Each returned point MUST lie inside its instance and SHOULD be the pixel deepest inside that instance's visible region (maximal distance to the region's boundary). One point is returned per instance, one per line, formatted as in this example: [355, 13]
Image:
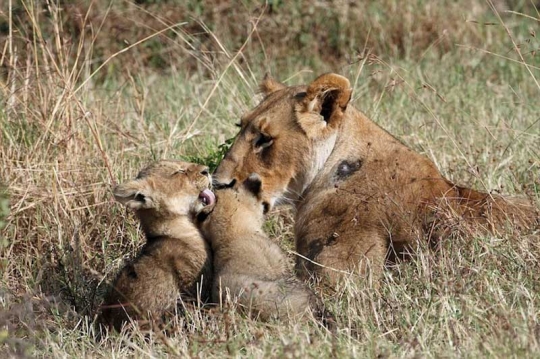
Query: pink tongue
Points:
[208, 197]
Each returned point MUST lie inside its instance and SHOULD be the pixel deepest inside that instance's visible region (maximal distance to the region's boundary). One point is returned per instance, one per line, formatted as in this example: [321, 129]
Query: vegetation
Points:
[91, 92]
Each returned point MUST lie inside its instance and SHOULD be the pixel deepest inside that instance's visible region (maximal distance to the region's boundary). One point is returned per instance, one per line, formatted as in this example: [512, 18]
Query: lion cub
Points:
[247, 264]
[176, 261]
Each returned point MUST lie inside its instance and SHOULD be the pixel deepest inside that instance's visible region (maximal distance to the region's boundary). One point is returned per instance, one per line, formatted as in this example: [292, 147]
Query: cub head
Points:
[288, 137]
[167, 188]
[239, 208]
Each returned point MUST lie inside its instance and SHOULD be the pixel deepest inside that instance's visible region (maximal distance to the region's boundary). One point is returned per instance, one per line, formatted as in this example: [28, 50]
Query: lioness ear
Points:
[328, 95]
[269, 85]
[134, 194]
[253, 184]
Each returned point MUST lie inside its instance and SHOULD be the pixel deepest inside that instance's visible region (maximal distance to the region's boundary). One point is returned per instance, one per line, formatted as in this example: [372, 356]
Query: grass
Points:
[68, 134]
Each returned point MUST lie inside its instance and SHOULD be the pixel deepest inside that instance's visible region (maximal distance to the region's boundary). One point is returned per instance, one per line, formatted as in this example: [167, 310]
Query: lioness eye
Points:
[264, 141]
[179, 172]
[238, 124]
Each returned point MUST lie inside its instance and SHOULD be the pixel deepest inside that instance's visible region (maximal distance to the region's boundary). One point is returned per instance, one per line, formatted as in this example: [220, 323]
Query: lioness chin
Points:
[175, 264]
[359, 193]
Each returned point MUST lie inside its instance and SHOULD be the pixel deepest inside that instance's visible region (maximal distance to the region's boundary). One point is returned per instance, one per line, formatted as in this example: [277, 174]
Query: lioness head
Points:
[237, 209]
[167, 188]
[288, 137]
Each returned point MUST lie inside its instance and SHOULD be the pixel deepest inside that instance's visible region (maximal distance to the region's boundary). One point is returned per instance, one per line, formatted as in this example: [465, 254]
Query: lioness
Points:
[176, 262]
[248, 266]
[358, 191]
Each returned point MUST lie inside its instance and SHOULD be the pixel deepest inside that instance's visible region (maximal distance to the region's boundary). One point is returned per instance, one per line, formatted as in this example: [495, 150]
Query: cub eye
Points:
[264, 141]
[238, 125]
[180, 171]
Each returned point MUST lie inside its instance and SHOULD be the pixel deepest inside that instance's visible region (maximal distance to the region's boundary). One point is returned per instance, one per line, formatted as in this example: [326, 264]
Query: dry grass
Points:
[322, 33]
[67, 133]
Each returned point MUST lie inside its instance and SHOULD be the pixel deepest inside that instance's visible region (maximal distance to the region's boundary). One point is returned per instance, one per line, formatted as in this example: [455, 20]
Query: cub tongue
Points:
[208, 197]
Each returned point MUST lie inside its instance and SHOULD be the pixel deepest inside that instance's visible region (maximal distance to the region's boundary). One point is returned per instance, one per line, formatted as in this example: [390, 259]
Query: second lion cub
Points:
[247, 264]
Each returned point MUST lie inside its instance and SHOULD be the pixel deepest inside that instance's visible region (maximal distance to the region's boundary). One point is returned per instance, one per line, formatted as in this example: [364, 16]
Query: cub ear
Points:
[269, 85]
[134, 194]
[253, 184]
[203, 214]
[328, 95]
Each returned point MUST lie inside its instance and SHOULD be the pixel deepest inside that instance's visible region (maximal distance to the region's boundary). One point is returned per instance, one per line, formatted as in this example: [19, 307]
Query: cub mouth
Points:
[207, 197]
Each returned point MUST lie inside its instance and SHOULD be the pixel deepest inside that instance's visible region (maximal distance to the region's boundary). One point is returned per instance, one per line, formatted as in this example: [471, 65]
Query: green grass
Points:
[473, 112]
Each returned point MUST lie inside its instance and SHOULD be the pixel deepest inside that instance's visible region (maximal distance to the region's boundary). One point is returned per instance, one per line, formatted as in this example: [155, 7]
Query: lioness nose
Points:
[224, 184]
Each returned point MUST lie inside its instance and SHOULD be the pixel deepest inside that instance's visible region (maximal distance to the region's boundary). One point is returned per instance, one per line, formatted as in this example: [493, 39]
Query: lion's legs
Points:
[360, 256]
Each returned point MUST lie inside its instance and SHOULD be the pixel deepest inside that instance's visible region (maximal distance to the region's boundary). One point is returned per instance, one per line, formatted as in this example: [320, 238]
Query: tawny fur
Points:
[175, 263]
[358, 191]
[248, 266]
